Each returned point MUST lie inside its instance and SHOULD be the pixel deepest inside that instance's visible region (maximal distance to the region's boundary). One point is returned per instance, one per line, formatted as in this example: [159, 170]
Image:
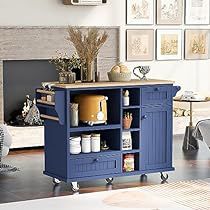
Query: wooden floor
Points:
[30, 183]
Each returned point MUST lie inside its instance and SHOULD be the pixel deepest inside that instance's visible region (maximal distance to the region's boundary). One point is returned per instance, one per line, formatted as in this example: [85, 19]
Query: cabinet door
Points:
[156, 138]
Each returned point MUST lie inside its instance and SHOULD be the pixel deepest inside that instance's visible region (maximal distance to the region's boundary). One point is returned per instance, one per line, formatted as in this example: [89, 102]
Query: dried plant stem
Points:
[87, 45]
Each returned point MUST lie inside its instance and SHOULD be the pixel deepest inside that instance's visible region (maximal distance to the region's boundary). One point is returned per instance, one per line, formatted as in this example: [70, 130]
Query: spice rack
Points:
[151, 131]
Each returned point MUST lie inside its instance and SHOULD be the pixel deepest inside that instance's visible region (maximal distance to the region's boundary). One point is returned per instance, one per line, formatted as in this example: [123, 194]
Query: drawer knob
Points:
[157, 89]
[144, 117]
[96, 160]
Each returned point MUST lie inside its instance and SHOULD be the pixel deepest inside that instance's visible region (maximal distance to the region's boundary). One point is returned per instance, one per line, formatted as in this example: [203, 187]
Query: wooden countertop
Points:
[114, 84]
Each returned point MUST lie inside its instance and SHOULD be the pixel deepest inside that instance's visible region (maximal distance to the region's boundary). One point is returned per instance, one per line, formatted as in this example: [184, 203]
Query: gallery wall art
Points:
[140, 45]
[140, 12]
[169, 12]
[197, 12]
[169, 44]
[196, 44]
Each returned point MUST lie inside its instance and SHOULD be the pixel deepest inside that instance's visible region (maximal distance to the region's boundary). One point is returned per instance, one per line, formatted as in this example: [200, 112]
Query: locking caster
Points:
[164, 178]
[109, 180]
[56, 181]
[74, 186]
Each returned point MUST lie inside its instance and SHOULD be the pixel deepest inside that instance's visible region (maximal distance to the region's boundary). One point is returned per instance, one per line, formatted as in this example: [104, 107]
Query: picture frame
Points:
[197, 12]
[140, 12]
[139, 44]
[169, 44]
[169, 12]
[197, 44]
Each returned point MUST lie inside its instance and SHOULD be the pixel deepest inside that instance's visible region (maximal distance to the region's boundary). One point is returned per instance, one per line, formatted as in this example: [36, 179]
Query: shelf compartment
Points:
[111, 136]
[136, 161]
[87, 128]
[113, 102]
[136, 115]
[45, 102]
[86, 155]
[134, 95]
[131, 107]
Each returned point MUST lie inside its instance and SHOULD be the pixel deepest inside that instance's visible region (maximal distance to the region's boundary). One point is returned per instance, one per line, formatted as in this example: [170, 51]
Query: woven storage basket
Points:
[119, 77]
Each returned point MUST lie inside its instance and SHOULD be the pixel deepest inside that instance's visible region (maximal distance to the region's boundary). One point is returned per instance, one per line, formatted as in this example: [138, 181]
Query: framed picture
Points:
[140, 45]
[169, 12]
[196, 44]
[169, 45]
[140, 12]
[197, 12]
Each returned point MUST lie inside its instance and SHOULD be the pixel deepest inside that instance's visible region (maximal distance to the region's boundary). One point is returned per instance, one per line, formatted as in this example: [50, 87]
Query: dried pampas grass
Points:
[87, 45]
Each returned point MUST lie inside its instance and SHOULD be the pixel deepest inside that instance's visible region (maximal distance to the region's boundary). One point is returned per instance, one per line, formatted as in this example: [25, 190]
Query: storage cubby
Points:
[136, 162]
[113, 103]
[134, 96]
[112, 137]
[136, 116]
[126, 135]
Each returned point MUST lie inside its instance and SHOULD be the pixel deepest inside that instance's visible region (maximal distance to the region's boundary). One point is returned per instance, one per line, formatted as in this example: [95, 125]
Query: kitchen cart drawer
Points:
[156, 95]
[95, 165]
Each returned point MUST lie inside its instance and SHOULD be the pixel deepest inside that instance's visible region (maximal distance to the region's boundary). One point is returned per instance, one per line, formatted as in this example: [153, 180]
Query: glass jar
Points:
[95, 142]
[86, 143]
[74, 115]
[63, 77]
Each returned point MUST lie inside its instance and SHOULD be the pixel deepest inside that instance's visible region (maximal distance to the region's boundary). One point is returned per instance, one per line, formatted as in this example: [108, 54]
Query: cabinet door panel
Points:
[156, 137]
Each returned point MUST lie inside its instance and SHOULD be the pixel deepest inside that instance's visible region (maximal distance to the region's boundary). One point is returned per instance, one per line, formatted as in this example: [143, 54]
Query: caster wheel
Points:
[74, 186]
[56, 181]
[163, 178]
[143, 177]
[109, 180]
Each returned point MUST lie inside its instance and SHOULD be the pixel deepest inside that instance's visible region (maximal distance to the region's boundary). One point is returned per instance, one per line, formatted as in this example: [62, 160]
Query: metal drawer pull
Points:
[96, 160]
[144, 117]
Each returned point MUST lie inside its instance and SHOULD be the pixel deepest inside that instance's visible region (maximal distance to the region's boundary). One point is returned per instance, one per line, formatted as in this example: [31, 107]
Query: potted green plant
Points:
[67, 67]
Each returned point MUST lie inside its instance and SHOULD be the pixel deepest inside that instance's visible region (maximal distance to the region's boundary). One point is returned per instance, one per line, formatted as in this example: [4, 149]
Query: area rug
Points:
[183, 195]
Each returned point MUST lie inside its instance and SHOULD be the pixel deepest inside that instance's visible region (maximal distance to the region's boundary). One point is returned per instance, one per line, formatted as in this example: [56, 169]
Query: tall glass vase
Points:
[87, 72]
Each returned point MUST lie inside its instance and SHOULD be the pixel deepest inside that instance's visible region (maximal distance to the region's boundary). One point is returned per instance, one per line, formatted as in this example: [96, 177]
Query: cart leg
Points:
[75, 186]
[109, 180]
[164, 177]
[56, 181]
[143, 177]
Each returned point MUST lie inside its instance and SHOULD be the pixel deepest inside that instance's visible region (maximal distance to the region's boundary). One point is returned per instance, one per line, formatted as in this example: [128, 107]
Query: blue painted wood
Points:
[95, 165]
[151, 134]
[157, 94]
[156, 137]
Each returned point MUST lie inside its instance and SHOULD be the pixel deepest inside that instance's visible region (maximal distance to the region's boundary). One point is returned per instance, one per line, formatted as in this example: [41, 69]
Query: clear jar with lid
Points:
[95, 142]
[86, 143]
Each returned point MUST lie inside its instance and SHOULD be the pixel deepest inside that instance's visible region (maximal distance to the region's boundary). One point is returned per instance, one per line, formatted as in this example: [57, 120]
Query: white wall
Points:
[191, 75]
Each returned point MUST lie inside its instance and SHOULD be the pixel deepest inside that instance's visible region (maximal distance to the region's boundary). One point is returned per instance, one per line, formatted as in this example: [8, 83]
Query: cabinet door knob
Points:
[96, 160]
[157, 89]
[144, 117]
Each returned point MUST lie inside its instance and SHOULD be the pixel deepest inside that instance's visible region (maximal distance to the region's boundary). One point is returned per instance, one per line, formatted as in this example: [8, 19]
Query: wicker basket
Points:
[119, 77]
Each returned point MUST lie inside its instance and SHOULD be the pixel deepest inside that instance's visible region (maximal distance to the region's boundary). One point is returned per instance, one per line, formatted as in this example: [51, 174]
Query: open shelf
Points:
[134, 96]
[86, 155]
[135, 125]
[131, 107]
[113, 102]
[111, 136]
[136, 161]
[45, 102]
[85, 127]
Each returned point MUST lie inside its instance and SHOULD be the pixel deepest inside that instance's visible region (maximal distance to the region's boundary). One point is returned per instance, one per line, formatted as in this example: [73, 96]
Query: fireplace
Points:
[24, 52]
[20, 79]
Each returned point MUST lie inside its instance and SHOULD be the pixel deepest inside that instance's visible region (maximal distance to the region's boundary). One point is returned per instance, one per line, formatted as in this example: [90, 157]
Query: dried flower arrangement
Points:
[87, 46]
